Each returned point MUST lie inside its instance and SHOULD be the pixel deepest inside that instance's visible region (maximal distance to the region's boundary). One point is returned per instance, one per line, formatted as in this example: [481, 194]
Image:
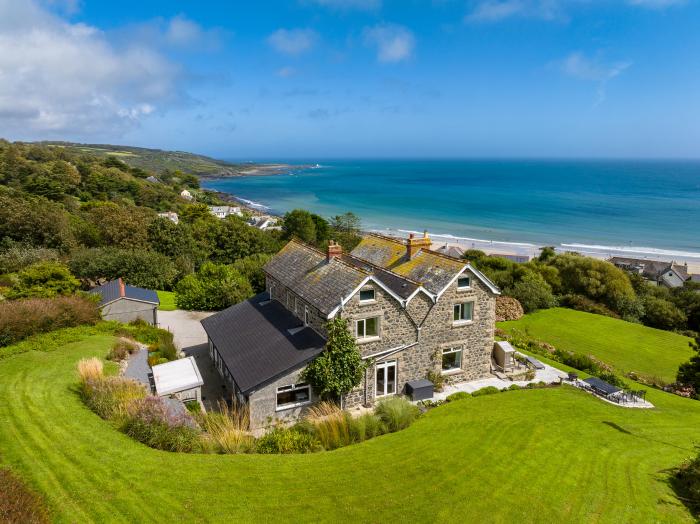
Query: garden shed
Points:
[125, 303]
[180, 379]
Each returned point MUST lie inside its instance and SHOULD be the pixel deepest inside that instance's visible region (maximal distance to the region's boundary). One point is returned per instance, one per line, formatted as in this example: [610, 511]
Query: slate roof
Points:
[652, 269]
[254, 341]
[305, 270]
[112, 291]
[401, 286]
[433, 270]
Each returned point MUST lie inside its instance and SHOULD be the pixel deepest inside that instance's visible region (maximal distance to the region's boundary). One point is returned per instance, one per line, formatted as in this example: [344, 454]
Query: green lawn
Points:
[167, 301]
[550, 455]
[627, 346]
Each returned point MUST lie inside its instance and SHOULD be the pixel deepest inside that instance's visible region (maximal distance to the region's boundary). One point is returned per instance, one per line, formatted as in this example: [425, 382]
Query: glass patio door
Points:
[385, 383]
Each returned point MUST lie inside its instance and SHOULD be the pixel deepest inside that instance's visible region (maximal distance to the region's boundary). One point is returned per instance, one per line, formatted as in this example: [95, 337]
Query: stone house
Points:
[668, 274]
[412, 311]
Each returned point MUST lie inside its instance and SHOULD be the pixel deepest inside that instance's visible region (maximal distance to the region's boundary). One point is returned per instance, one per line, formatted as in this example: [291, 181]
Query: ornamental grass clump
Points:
[110, 397]
[152, 422]
[287, 440]
[227, 430]
[329, 424]
[90, 369]
[397, 413]
[365, 427]
[18, 503]
[121, 350]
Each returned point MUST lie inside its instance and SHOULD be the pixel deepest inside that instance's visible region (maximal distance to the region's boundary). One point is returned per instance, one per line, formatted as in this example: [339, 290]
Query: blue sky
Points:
[357, 78]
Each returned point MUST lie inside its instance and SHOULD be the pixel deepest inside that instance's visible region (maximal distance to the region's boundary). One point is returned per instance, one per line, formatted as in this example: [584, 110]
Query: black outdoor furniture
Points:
[534, 362]
[601, 387]
[421, 389]
[573, 377]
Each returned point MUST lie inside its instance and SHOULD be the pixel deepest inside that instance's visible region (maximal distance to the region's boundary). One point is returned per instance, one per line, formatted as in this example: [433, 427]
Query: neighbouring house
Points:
[224, 211]
[661, 273]
[451, 251]
[264, 222]
[153, 180]
[412, 311]
[186, 194]
[178, 379]
[125, 303]
[170, 215]
[518, 259]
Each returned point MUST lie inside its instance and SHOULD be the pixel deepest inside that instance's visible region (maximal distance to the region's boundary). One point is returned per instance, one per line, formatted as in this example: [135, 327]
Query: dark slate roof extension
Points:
[254, 341]
[116, 289]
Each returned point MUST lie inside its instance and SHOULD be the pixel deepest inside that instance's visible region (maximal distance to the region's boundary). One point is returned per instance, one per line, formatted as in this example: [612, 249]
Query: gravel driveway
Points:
[185, 326]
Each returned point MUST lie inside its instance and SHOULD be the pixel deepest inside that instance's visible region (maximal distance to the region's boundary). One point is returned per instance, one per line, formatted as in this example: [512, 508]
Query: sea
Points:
[626, 207]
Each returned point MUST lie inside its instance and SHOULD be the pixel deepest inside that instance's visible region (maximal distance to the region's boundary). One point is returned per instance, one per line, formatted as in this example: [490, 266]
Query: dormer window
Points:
[366, 295]
[464, 282]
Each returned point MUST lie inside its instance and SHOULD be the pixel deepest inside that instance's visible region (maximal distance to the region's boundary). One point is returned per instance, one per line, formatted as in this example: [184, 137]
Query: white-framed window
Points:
[463, 312]
[307, 316]
[296, 306]
[385, 379]
[272, 287]
[366, 295]
[367, 328]
[289, 300]
[451, 359]
[293, 396]
[464, 282]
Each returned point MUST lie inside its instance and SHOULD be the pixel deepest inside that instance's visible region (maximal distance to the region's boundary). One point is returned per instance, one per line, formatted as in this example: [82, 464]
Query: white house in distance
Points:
[224, 211]
[170, 215]
[186, 194]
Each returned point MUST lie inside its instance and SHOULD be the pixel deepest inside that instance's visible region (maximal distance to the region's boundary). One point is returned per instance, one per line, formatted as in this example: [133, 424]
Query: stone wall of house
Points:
[291, 300]
[262, 404]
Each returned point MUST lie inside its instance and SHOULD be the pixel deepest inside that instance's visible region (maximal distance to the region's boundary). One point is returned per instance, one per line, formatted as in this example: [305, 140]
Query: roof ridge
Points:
[387, 270]
[448, 257]
[396, 240]
[316, 250]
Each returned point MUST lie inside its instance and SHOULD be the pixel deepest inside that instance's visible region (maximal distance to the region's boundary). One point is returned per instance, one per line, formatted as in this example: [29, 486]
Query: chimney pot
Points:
[334, 250]
[122, 288]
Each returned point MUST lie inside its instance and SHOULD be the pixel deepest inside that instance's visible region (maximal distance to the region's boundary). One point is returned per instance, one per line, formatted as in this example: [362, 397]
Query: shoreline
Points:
[496, 247]
[254, 169]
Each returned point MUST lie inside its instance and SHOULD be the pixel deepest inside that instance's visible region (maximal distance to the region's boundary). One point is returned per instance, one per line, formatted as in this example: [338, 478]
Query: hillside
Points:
[157, 160]
[624, 345]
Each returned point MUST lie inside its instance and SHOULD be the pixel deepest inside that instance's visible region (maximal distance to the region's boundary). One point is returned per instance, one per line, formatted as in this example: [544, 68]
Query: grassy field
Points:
[548, 455]
[167, 301]
[627, 346]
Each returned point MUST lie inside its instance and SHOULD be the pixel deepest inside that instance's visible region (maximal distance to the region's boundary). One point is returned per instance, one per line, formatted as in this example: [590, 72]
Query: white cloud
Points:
[293, 41]
[286, 71]
[496, 10]
[577, 65]
[656, 4]
[60, 78]
[364, 5]
[394, 43]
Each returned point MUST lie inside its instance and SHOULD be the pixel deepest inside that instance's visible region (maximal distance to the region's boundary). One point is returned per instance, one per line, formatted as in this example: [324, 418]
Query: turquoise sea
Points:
[650, 207]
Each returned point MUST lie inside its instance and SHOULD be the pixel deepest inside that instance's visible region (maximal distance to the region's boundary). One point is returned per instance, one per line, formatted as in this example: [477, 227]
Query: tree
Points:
[121, 226]
[299, 223]
[533, 293]
[346, 230]
[340, 367]
[689, 372]
[235, 239]
[662, 314]
[251, 268]
[214, 286]
[547, 253]
[137, 267]
[34, 221]
[46, 279]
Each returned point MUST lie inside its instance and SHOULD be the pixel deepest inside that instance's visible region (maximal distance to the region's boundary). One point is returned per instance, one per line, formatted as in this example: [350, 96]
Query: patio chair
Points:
[573, 377]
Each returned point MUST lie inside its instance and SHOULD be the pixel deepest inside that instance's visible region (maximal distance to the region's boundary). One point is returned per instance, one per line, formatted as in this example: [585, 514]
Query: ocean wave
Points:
[633, 250]
[251, 203]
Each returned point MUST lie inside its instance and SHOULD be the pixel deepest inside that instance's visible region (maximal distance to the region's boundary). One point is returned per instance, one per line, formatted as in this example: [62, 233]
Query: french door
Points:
[385, 379]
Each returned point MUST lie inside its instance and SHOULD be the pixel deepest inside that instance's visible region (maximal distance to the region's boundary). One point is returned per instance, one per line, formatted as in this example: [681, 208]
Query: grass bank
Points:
[547, 455]
[167, 301]
[627, 346]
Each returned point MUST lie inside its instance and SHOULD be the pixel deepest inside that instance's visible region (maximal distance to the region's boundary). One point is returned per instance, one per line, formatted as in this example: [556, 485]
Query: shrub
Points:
[214, 286]
[533, 292]
[366, 426]
[437, 378]
[121, 350]
[18, 503]
[90, 369]
[508, 308]
[164, 348]
[460, 395]
[20, 319]
[329, 424]
[111, 397]
[141, 330]
[17, 257]
[44, 280]
[227, 430]
[662, 314]
[281, 440]
[150, 421]
[686, 483]
[514, 387]
[581, 303]
[396, 412]
[488, 390]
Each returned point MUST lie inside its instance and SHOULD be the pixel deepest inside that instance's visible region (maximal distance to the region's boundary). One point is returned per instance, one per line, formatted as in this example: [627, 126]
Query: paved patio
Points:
[185, 326]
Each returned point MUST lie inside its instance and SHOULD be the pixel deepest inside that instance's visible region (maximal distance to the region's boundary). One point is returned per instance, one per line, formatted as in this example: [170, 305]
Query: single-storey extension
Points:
[124, 303]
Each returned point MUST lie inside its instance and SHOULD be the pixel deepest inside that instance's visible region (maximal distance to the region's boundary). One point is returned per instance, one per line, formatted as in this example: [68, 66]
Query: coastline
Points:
[254, 169]
[530, 249]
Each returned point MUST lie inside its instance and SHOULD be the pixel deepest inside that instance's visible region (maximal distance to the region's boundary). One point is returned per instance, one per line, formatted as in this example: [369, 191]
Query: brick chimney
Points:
[415, 244]
[334, 250]
[122, 288]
